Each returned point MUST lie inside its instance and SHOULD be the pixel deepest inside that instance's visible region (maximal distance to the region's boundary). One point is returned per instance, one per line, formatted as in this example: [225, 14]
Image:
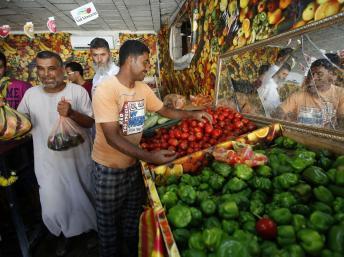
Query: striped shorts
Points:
[119, 195]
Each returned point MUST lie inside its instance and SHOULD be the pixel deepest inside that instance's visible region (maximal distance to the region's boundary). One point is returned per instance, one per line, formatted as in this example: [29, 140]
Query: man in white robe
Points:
[64, 177]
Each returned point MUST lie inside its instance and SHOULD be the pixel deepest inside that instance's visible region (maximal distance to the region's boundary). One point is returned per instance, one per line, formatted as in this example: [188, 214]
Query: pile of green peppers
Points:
[214, 212]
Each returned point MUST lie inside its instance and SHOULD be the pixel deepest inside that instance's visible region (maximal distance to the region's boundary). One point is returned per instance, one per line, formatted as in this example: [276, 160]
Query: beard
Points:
[101, 68]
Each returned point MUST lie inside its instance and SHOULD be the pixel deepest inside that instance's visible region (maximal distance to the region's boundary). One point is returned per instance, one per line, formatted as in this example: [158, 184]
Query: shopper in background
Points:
[120, 103]
[64, 177]
[12, 90]
[320, 103]
[75, 74]
[102, 61]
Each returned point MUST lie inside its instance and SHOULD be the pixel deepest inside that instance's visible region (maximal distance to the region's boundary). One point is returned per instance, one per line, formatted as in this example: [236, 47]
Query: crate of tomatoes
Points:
[189, 135]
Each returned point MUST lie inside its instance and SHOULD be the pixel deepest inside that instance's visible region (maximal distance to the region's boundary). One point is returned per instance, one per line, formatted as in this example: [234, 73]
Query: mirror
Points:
[182, 40]
[299, 79]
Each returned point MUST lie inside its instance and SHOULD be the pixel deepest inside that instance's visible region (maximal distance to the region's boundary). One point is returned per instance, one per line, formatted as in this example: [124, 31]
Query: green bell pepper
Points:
[339, 162]
[339, 217]
[324, 162]
[233, 248]
[264, 171]
[302, 160]
[212, 237]
[284, 199]
[228, 210]
[245, 217]
[196, 215]
[169, 199]
[302, 191]
[269, 248]
[338, 205]
[285, 235]
[202, 195]
[315, 175]
[194, 253]
[295, 251]
[249, 226]
[181, 236]
[287, 180]
[172, 180]
[289, 143]
[300, 209]
[323, 194]
[161, 190]
[328, 253]
[179, 216]
[321, 221]
[260, 196]
[188, 179]
[187, 194]
[336, 238]
[299, 222]
[331, 174]
[336, 190]
[310, 240]
[203, 187]
[234, 185]
[339, 176]
[281, 216]
[221, 168]
[172, 188]
[208, 207]
[319, 206]
[212, 222]
[243, 171]
[261, 183]
[249, 240]
[216, 181]
[256, 207]
[206, 173]
[196, 241]
[229, 226]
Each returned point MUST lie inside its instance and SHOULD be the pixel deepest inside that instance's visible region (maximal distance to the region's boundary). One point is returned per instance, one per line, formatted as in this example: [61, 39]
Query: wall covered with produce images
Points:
[20, 52]
[223, 25]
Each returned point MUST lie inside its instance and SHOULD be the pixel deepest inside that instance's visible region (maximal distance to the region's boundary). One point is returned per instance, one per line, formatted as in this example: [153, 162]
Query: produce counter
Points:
[236, 203]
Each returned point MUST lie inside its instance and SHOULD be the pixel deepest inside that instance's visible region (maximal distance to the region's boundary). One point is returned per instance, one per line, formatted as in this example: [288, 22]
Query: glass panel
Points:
[299, 80]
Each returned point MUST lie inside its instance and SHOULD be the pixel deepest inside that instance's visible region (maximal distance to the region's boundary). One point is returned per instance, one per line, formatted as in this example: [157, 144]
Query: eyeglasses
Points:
[70, 73]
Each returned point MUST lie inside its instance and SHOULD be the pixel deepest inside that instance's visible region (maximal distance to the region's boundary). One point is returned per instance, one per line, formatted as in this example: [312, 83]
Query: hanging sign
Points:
[29, 29]
[84, 14]
[51, 24]
[5, 31]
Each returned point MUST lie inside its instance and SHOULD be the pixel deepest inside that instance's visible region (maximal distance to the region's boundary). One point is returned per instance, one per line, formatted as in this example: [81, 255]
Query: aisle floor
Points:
[46, 247]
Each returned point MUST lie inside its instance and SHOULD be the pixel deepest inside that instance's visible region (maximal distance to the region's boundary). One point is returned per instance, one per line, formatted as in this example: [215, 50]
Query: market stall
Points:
[276, 191]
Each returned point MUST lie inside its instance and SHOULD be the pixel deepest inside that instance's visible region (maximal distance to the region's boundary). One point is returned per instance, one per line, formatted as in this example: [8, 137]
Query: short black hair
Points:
[262, 69]
[323, 63]
[48, 55]
[286, 66]
[3, 58]
[75, 66]
[334, 58]
[284, 51]
[131, 48]
[99, 43]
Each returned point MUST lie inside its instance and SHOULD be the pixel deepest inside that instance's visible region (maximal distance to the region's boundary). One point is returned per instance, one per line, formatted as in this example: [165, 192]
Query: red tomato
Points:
[245, 121]
[183, 145]
[165, 136]
[199, 135]
[144, 145]
[177, 133]
[185, 129]
[222, 124]
[221, 117]
[238, 124]
[200, 124]
[197, 129]
[216, 133]
[238, 115]
[193, 123]
[208, 128]
[184, 135]
[230, 116]
[266, 228]
[191, 138]
[212, 141]
[172, 148]
[171, 133]
[164, 145]
[173, 142]
[189, 150]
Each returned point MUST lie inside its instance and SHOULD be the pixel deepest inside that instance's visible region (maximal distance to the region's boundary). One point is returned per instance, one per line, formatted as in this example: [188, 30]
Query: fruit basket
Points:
[278, 208]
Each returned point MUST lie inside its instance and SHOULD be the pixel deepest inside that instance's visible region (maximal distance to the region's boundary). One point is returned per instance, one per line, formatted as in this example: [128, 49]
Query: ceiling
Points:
[114, 15]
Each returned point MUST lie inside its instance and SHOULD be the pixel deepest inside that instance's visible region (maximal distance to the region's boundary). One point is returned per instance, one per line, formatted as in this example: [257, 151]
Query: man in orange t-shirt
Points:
[320, 103]
[120, 103]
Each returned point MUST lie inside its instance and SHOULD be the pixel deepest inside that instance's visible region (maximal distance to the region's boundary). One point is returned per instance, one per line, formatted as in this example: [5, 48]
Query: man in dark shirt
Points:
[75, 75]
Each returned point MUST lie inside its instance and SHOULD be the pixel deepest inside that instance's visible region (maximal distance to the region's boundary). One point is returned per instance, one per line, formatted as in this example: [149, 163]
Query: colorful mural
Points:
[229, 24]
[20, 52]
